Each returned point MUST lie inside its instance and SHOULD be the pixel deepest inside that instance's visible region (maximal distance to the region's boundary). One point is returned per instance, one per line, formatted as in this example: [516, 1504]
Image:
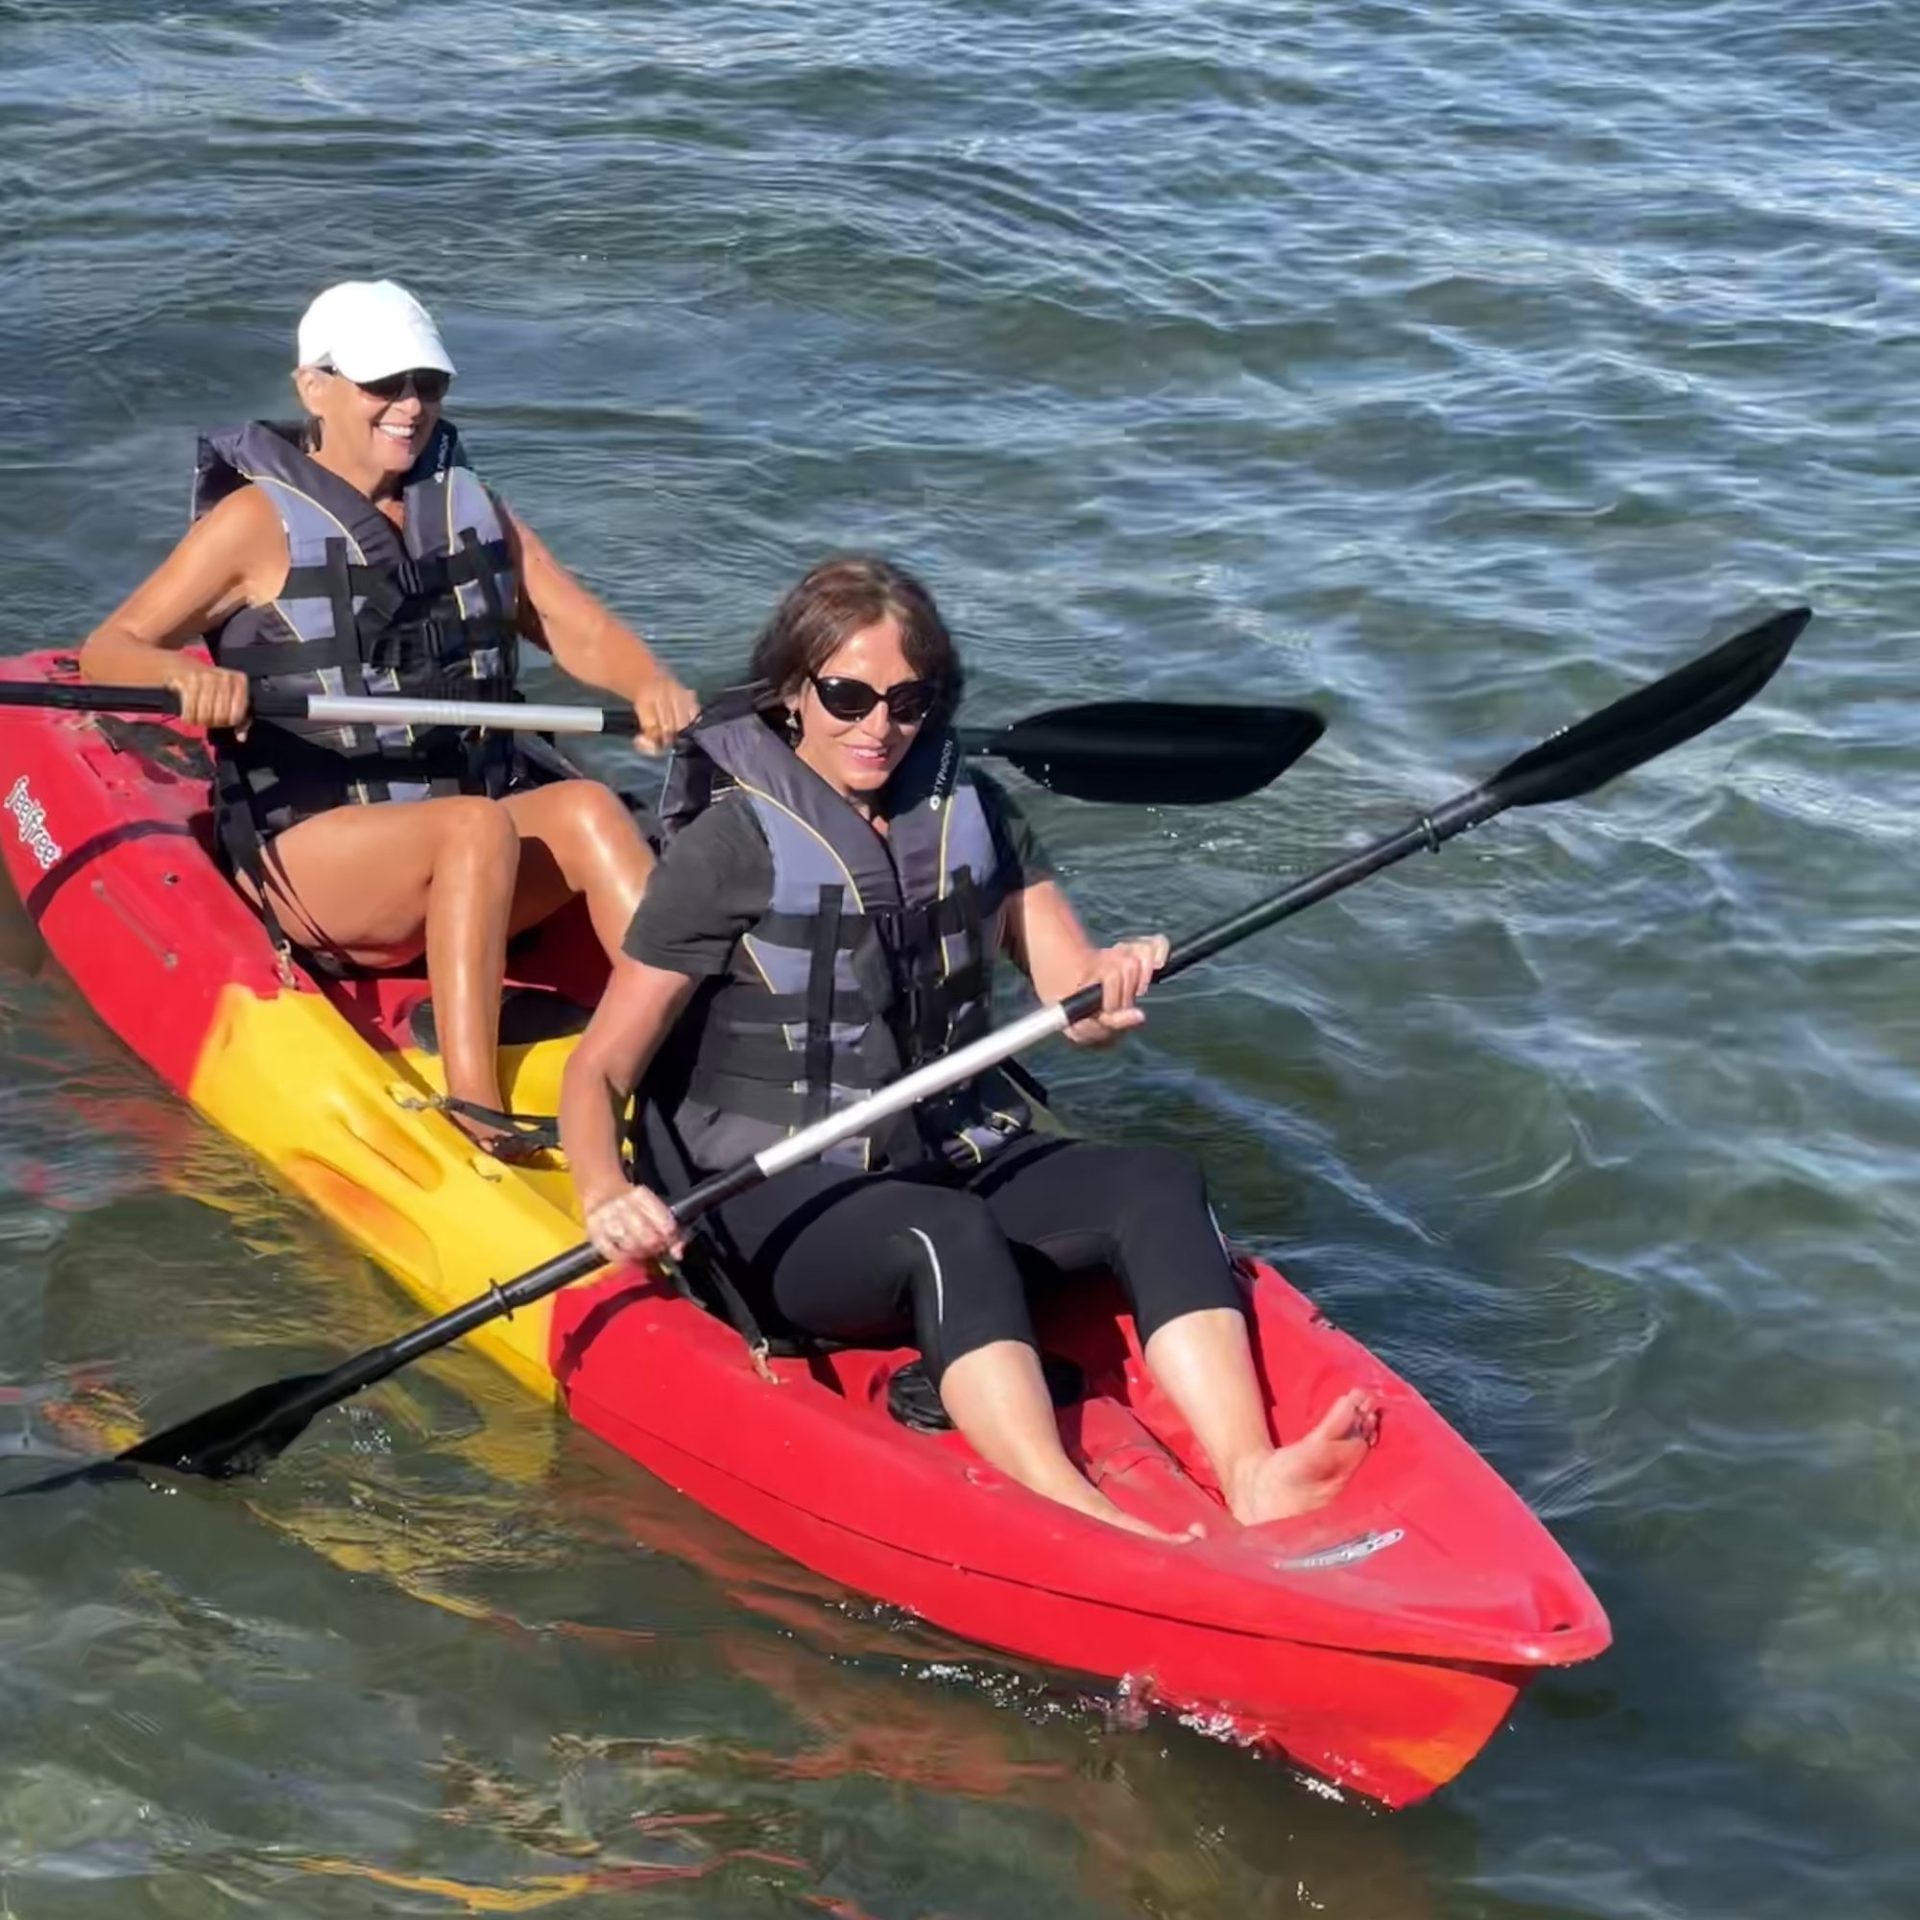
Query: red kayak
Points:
[1379, 1642]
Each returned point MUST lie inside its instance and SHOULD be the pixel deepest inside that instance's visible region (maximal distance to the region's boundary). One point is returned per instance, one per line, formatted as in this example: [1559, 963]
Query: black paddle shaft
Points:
[1632, 730]
[241, 1435]
[1430, 831]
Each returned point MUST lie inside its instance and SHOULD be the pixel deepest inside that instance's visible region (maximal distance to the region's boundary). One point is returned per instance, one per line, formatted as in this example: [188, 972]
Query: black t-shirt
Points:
[716, 878]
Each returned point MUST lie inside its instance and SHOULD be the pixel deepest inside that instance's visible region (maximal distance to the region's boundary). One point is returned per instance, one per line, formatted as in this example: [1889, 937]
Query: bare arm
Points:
[635, 1014]
[593, 643]
[233, 558]
[1045, 936]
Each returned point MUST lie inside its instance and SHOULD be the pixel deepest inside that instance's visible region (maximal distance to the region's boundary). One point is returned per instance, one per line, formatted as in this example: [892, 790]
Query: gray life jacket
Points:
[873, 955]
[366, 609]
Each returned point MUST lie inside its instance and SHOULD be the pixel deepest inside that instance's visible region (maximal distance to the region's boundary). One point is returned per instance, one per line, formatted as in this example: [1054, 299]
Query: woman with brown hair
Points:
[826, 916]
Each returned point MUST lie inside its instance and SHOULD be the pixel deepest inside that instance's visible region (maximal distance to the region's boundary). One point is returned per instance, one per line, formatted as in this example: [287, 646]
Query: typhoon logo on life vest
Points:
[31, 818]
[943, 778]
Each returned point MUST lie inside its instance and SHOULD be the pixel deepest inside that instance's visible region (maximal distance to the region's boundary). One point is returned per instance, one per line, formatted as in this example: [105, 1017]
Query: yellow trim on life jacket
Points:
[766, 979]
[860, 905]
[946, 827]
[287, 486]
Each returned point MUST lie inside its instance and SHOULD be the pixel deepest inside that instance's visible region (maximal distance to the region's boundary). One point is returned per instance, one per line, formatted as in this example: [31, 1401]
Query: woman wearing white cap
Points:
[358, 553]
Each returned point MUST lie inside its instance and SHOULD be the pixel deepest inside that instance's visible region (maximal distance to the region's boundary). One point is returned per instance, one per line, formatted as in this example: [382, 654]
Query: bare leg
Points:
[997, 1396]
[381, 884]
[469, 905]
[456, 877]
[1205, 1363]
[577, 837]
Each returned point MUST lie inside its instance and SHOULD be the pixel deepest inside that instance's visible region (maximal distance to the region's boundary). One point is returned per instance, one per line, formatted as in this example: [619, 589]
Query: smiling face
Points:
[368, 438]
[857, 756]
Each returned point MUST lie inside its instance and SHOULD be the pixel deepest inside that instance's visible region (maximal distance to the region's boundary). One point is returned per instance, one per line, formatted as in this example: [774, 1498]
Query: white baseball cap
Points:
[368, 329]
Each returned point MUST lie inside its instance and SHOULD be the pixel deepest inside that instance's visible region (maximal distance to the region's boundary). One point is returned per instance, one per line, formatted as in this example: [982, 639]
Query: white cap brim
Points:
[369, 329]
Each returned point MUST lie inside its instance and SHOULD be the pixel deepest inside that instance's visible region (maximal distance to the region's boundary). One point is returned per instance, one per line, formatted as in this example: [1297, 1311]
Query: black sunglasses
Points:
[428, 382]
[907, 701]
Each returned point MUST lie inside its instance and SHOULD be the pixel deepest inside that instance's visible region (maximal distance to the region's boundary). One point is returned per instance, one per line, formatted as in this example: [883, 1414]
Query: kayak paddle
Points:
[243, 1434]
[1145, 752]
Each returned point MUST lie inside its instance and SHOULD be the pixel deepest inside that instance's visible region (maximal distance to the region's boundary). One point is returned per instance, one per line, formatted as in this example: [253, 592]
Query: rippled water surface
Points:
[1449, 365]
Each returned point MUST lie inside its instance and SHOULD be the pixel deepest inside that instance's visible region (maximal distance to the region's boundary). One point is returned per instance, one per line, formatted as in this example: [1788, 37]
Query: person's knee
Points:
[964, 1289]
[596, 817]
[957, 1226]
[472, 827]
[961, 1273]
[953, 1243]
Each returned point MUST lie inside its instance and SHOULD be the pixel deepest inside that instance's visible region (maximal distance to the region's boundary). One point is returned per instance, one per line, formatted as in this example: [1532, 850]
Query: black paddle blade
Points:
[1154, 753]
[1637, 727]
[93, 1473]
[237, 1437]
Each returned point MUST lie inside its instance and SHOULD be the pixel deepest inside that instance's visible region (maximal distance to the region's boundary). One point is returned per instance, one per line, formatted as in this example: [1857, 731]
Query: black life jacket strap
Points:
[392, 599]
[705, 1264]
[802, 929]
[497, 625]
[264, 659]
[928, 996]
[779, 1105]
[471, 563]
[477, 561]
[320, 582]
[895, 1142]
[413, 577]
[952, 914]
[339, 590]
[965, 985]
[752, 1011]
[246, 853]
[819, 1041]
[705, 1271]
[371, 778]
[769, 1058]
[959, 988]
[972, 928]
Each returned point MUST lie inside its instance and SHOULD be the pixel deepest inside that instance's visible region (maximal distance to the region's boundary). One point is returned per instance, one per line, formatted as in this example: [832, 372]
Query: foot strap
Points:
[915, 1402]
[519, 1132]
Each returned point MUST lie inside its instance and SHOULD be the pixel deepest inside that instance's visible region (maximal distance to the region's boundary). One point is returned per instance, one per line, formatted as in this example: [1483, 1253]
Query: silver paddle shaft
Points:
[911, 1088]
[379, 710]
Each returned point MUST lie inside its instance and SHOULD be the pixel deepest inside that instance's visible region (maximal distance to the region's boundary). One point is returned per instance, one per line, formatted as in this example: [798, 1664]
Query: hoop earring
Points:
[310, 434]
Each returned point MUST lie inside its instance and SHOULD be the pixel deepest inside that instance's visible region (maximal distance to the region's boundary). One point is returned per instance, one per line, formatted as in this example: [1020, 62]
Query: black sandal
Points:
[516, 1137]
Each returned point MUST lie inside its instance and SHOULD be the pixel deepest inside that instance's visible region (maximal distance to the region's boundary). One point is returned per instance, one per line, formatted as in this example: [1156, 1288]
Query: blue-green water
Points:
[1450, 366]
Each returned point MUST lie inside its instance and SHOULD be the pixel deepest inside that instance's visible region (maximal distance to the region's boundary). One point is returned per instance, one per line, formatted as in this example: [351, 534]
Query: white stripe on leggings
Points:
[939, 1284]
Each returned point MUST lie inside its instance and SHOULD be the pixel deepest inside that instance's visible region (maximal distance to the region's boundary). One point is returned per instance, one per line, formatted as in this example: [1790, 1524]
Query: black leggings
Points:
[866, 1257]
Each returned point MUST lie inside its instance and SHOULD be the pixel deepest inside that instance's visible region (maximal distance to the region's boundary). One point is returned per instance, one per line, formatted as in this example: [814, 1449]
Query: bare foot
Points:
[1309, 1472]
[1119, 1517]
[1096, 1506]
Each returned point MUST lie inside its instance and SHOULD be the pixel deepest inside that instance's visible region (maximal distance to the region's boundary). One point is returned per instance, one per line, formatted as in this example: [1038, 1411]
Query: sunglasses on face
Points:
[907, 702]
[428, 382]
